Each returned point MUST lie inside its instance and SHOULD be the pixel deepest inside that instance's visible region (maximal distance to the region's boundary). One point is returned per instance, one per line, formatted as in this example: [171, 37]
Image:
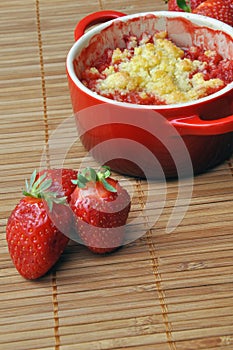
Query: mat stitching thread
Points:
[157, 275]
[55, 312]
[230, 164]
[101, 5]
[43, 87]
[46, 136]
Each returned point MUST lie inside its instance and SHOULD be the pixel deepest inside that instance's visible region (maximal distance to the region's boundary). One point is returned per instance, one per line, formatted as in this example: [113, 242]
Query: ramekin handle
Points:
[95, 18]
[194, 125]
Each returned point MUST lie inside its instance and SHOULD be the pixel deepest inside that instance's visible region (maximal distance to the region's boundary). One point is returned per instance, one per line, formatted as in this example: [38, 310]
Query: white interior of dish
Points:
[185, 29]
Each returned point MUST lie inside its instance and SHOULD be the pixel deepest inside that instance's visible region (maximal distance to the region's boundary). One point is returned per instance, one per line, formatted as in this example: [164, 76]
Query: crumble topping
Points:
[152, 67]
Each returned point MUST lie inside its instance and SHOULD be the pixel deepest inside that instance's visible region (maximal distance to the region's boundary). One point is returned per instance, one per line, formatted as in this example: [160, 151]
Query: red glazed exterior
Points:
[202, 130]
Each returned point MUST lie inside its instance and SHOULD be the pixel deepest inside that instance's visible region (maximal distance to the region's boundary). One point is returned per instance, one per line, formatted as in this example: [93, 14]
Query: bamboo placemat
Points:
[164, 291]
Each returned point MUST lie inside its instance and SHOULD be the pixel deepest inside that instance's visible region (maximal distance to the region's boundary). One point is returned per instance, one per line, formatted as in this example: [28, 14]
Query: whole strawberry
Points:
[218, 9]
[34, 241]
[101, 206]
[182, 5]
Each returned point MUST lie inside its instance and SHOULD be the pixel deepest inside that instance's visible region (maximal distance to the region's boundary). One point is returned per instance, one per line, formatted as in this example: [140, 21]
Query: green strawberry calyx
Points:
[39, 188]
[90, 175]
[183, 5]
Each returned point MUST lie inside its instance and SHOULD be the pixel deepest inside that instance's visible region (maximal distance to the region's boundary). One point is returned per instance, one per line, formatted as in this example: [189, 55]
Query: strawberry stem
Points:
[90, 175]
[102, 175]
[39, 188]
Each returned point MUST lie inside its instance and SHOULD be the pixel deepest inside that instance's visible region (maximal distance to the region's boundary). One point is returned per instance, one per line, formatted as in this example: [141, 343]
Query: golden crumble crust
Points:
[156, 68]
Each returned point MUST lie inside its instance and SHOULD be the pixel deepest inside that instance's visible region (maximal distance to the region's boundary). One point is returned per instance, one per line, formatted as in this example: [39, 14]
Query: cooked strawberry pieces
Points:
[215, 66]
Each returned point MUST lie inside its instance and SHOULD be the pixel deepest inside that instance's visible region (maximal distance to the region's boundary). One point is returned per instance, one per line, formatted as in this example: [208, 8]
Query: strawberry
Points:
[34, 241]
[101, 206]
[182, 5]
[218, 9]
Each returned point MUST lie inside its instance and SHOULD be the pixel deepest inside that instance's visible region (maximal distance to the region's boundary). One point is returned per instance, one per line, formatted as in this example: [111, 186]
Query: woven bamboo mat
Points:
[164, 291]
